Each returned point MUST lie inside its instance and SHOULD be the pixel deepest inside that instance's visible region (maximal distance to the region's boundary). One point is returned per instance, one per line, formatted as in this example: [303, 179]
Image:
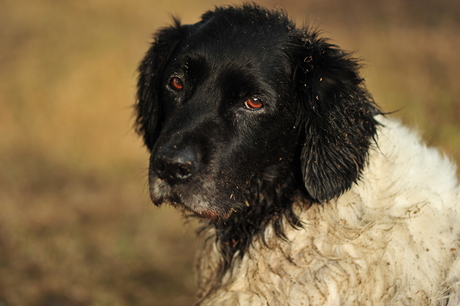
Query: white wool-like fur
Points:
[392, 239]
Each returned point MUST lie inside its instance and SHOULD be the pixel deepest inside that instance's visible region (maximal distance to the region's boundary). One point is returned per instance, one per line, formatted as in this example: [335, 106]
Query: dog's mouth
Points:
[205, 200]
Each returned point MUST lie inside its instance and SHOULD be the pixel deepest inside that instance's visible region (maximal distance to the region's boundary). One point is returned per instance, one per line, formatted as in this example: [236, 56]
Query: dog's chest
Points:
[311, 267]
[333, 261]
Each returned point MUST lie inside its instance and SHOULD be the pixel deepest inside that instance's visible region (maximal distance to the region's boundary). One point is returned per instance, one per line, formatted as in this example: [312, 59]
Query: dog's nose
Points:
[174, 166]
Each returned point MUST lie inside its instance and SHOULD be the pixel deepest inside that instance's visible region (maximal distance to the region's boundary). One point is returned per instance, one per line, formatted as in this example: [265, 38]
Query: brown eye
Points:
[253, 103]
[176, 83]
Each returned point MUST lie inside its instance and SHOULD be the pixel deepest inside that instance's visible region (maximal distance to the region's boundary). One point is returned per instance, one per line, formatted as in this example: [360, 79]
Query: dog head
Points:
[240, 95]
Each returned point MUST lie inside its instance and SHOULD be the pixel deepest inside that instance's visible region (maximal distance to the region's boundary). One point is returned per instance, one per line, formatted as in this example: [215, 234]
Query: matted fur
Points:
[308, 194]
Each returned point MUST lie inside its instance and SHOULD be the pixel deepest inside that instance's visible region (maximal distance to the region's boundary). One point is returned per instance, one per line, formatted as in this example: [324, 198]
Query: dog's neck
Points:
[269, 202]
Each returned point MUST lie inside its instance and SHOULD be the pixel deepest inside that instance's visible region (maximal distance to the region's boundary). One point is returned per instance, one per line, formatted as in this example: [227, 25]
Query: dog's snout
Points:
[174, 166]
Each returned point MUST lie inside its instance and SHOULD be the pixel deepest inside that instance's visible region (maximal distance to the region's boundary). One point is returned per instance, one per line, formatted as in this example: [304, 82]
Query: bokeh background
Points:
[76, 225]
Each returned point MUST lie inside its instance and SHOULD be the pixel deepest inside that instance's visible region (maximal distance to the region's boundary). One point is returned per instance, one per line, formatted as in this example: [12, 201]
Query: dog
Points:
[308, 193]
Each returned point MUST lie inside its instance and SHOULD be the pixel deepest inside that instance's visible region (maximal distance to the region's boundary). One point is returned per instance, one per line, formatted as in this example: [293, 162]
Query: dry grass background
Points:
[76, 225]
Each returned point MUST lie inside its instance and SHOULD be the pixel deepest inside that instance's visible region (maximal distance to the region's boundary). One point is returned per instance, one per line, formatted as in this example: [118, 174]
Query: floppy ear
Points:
[337, 116]
[151, 69]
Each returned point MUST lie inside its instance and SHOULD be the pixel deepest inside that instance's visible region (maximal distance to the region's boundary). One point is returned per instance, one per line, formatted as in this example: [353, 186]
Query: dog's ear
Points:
[151, 69]
[337, 114]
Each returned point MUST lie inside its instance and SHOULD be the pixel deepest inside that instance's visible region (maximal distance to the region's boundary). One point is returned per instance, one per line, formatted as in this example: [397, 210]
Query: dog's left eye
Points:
[176, 83]
[253, 103]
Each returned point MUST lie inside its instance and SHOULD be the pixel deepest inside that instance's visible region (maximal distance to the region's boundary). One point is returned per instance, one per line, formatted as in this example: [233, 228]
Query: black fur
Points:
[244, 168]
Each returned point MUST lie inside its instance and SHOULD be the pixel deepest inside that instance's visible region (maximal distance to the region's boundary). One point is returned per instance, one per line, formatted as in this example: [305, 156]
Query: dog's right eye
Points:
[176, 84]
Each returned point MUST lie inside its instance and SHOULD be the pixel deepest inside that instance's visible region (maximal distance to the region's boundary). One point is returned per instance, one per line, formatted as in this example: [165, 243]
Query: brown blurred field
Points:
[76, 225]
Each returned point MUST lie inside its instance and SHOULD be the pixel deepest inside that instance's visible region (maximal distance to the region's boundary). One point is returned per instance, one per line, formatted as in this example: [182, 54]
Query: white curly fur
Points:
[392, 239]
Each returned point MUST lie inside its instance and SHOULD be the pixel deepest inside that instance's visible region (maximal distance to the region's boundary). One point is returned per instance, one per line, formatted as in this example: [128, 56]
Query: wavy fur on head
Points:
[309, 195]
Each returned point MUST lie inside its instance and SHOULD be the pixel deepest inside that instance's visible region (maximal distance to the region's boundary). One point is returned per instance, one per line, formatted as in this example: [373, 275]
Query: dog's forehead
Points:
[232, 66]
[237, 40]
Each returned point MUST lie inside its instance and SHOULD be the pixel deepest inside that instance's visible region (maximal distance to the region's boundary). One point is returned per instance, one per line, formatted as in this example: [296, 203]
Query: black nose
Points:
[174, 166]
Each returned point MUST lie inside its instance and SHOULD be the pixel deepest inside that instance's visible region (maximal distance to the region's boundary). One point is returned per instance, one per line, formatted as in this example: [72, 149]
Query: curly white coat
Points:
[392, 239]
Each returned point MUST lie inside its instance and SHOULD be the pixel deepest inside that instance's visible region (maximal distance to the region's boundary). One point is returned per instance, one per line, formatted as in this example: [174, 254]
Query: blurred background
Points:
[76, 224]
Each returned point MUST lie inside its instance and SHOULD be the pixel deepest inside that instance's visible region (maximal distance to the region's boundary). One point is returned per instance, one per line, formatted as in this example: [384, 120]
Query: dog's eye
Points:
[253, 103]
[176, 84]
